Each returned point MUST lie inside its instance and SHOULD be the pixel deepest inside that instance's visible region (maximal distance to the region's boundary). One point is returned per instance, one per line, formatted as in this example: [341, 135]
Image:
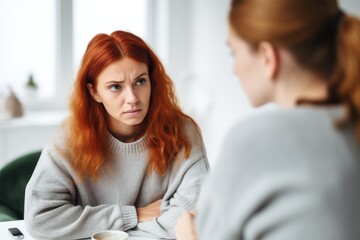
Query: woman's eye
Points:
[114, 87]
[140, 82]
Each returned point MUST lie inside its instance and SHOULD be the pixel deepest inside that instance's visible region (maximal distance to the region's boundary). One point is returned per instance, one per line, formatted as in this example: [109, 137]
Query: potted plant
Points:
[31, 88]
[31, 82]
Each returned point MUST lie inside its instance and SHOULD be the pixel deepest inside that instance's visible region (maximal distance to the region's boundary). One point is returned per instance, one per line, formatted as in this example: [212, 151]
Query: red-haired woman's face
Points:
[124, 89]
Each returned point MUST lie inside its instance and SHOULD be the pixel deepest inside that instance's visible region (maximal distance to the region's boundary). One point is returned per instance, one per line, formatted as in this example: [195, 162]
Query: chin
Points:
[257, 100]
[134, 122]
[256, 104]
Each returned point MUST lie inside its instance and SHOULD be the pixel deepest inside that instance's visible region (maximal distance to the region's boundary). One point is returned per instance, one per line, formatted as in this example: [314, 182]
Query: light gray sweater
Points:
[58, 206]
[284, 175]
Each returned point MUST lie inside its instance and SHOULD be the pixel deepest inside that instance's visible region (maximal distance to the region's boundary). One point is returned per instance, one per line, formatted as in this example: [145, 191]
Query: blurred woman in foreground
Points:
[292, 173]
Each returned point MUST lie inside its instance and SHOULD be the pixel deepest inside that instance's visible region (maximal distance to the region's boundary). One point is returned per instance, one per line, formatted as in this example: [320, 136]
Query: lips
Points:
[133, 111]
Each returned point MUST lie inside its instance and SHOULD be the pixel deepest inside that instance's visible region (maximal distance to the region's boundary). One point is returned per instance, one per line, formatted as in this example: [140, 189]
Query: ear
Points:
[93, 92]
[270, 59]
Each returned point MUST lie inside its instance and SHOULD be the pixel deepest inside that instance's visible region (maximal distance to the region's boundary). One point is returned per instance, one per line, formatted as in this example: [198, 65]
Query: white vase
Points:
[10, 106]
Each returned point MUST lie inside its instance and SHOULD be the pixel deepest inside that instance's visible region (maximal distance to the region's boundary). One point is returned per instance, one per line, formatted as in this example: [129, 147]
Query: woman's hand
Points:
[149, 212]
[185, 227]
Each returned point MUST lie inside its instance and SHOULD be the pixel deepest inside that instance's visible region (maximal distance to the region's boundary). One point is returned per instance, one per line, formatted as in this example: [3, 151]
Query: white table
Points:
[5, 234]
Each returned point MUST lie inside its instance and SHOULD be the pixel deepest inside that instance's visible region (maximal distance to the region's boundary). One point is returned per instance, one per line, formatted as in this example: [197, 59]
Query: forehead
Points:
[235, 42]
[123, 69]
[230, 35]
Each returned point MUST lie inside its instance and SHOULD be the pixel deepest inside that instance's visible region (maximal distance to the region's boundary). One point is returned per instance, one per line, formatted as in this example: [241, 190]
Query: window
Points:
[27, 43]
[47, 38]
[105, 16]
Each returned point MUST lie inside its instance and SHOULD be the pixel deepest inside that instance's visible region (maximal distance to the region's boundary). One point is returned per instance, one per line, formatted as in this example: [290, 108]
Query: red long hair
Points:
[88, 121]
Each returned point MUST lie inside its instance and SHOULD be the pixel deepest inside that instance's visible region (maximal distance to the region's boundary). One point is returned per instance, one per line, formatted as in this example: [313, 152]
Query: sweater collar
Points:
[133, 148]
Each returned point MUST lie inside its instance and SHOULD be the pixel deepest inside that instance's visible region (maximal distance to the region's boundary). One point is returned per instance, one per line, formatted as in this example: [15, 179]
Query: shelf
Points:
[38, 118]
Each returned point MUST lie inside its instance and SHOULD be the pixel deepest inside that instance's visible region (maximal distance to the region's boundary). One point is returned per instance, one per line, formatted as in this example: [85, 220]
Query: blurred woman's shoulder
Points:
[278, 122]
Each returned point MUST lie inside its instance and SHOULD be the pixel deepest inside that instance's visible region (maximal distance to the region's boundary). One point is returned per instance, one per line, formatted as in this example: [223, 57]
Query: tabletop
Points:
[5, 234]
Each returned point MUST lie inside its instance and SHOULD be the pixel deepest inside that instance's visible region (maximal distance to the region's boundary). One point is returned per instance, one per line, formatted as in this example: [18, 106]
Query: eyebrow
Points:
[142, 74]
[117, 82]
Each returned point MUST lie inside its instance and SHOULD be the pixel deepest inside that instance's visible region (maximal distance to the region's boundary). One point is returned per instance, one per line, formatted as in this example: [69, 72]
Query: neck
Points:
[125, 138]
[297, 87]
[126, 134]
[294, 84]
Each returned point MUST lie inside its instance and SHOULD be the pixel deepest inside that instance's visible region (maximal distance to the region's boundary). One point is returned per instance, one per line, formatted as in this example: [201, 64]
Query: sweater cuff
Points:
[129, 217]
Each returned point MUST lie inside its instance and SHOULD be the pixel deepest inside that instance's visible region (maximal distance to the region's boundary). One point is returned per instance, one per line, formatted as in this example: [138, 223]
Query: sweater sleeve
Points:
[181, 196]
[51, 211]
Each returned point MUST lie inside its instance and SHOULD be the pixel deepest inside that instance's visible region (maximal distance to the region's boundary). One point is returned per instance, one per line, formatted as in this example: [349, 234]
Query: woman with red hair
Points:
[127, 157]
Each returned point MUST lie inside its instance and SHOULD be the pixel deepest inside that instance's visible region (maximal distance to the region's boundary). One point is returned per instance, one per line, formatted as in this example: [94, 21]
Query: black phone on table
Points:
[16, 233]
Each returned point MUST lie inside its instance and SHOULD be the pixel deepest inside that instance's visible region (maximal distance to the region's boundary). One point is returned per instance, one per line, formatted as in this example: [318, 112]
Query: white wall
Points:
[350, 6]
[211, 66]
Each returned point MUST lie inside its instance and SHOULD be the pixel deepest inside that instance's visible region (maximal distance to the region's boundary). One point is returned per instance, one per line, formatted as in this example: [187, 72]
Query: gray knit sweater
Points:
[58, 206]
[284, 175]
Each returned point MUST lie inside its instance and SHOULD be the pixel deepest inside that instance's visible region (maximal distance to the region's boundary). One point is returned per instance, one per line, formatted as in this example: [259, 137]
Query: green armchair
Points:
[13, 179]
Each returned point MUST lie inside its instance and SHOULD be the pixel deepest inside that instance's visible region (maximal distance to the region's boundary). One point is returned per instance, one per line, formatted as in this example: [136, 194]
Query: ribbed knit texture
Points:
[58, 206]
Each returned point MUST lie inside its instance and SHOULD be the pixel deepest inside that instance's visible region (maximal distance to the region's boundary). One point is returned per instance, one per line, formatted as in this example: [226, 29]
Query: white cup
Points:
[110, 235]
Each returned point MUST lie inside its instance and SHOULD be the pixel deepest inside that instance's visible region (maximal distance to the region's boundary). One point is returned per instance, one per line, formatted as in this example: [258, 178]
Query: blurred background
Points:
[42, 42]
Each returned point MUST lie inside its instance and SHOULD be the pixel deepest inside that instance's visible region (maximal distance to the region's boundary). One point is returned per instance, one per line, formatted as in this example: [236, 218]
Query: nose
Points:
[131, 97]
[234, 70]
